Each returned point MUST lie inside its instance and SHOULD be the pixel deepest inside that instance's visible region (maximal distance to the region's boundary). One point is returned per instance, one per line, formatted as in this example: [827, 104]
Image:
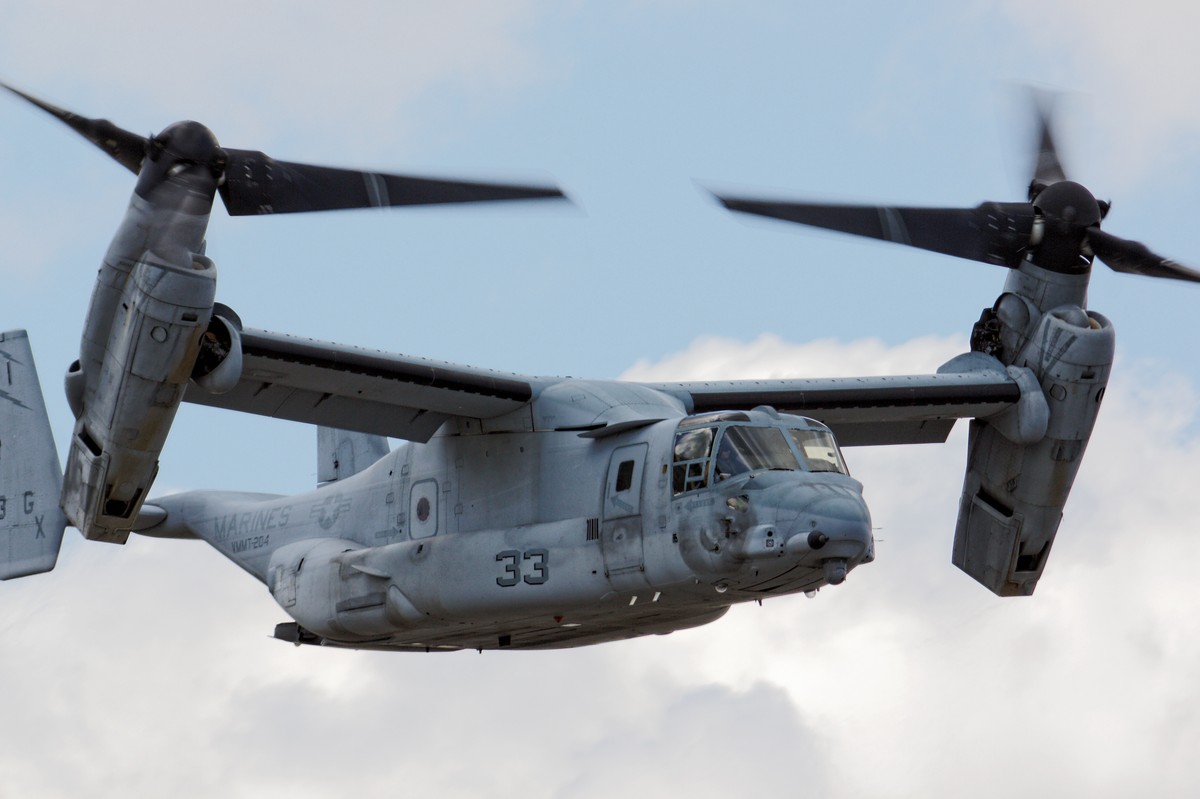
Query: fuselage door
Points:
[623, 490]
[621, 527]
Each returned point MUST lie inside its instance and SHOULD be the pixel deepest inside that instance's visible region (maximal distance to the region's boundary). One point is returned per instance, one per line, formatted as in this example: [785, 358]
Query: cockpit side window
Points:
[692, 448]
[820, 451]
[752, 449]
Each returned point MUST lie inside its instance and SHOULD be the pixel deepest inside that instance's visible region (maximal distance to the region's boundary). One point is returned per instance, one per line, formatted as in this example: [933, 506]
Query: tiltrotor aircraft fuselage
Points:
[531, 538]
[534, 512]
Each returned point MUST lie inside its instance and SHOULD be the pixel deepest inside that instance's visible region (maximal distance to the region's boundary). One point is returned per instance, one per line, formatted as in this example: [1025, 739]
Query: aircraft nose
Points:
[841, 516]
[837, 530]
[822, 524]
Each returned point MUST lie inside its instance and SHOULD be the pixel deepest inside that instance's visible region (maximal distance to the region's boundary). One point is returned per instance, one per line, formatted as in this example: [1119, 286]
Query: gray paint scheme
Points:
[538, 543]
[31, 523]
[341, 453]
[521, 511]
[402, 396]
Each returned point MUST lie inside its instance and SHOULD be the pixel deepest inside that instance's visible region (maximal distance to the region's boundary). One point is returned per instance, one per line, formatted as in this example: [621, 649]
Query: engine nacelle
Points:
[127, 409]
[75, 384]
[1015, 490]
[218, 365]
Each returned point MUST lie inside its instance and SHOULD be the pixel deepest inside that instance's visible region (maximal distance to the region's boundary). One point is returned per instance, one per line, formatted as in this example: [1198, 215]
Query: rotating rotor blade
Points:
[1133, 257]
[993, 233]
[255, 183]
[1057, 230]
[1047, 168]
[126, 148]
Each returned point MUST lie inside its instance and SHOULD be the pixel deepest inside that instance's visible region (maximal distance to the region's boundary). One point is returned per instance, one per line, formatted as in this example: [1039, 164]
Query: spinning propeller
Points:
[252, 182]
[1057, 229]
[153, 329]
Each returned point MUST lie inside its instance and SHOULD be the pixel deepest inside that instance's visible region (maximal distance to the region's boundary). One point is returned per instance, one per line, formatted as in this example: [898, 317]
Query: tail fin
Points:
[31, 522]
[341, 453]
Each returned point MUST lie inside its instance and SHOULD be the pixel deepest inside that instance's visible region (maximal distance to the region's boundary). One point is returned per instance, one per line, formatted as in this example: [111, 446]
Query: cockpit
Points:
[711, 448]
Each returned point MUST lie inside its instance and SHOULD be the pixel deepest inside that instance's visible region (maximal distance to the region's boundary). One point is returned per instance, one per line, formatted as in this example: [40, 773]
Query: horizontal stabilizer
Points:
[31, 523]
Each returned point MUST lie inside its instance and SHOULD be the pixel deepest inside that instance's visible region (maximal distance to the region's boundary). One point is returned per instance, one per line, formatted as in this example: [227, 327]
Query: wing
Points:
[402, 396]
[911, 409]
[352, 388]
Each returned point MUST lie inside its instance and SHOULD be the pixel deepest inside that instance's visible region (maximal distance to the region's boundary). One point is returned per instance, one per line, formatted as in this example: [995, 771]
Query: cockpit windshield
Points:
[752, 449]
[706, 455]
[819, 451]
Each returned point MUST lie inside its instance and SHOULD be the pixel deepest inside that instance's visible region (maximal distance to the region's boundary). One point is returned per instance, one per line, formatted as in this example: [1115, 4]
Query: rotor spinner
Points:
[1066, 210]
[186, 157]
[188, 143]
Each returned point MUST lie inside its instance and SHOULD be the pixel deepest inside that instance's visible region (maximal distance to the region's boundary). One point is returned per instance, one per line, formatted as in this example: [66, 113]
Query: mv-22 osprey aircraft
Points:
[531, 512]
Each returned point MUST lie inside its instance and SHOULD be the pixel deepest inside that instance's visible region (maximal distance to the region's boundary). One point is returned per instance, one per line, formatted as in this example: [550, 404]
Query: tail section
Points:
[31, 522]
[341, 453]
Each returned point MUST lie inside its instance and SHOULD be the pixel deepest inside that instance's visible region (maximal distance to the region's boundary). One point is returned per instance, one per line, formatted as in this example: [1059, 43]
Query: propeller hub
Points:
[188, 143]
[1068, 209]
[1069, 204]
[182, 169]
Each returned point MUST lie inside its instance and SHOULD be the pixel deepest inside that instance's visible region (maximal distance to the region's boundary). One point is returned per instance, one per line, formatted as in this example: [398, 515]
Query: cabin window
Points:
[625, 476]
[692, 448]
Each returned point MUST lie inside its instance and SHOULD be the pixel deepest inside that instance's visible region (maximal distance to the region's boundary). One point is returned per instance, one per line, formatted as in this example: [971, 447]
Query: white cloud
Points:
[769, 356]
[350, 72]
[1135, 62]
[1089, 685]
[127, 667]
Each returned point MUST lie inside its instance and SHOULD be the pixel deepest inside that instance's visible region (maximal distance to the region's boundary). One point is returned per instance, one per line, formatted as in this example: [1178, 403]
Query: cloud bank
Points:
[127, 669]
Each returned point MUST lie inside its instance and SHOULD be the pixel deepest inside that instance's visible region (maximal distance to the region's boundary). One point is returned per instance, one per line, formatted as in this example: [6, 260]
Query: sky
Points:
[149, 668]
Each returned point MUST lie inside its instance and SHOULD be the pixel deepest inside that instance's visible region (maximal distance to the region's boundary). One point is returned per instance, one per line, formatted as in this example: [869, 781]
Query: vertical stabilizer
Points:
[31, 523]
[341, 453]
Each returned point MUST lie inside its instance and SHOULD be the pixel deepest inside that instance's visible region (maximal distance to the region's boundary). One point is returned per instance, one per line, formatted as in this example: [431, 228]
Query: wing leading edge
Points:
[369, 391]
[401, 396]
[863, 411]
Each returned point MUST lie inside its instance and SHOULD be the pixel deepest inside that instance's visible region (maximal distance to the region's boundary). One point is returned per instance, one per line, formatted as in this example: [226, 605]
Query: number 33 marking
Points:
[512, 558]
